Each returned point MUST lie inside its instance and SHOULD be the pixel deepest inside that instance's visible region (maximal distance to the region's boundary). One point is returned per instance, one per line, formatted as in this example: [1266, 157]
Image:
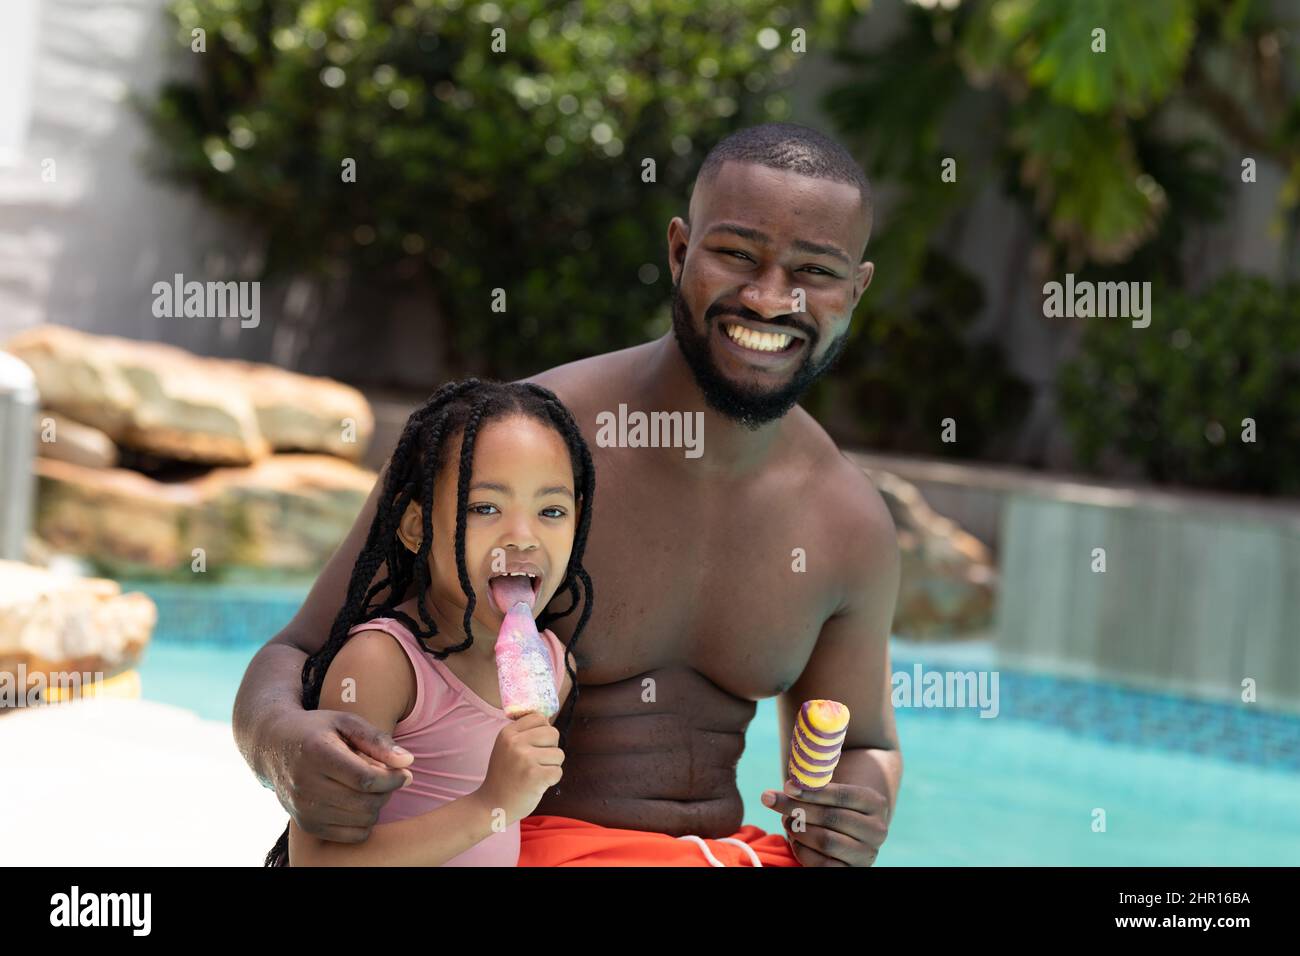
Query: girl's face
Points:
[521, 517]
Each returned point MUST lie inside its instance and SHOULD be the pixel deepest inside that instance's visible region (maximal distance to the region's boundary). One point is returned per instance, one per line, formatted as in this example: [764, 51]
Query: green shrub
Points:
[1172, 397]
[519, 170]
[1097, 152]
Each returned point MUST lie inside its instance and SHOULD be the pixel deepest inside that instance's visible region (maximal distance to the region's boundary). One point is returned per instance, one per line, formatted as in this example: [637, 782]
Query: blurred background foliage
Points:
[512, 170]
[1178, 400]
[518, 170]
[1114, 159]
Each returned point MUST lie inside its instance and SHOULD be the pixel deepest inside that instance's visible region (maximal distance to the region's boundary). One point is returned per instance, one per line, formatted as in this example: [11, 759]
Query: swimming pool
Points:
[1181, 782]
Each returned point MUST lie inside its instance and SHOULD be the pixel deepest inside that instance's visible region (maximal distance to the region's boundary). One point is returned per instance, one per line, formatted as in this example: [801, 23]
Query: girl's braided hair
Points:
[421, 452]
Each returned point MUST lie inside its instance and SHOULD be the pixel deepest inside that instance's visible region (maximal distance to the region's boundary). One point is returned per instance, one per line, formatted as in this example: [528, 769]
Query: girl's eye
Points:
[559, 512]
[478, 509]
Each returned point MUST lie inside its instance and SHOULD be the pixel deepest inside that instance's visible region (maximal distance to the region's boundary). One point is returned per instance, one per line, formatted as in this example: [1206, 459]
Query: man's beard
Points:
[750, 407]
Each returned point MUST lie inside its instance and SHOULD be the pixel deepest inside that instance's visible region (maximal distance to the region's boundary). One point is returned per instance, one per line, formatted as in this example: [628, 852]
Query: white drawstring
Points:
[708, 854]
[713, 860]
[749, 850]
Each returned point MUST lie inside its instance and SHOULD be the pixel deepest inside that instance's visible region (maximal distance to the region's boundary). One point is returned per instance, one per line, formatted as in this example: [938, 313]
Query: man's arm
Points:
[311, 758]
[846, 821]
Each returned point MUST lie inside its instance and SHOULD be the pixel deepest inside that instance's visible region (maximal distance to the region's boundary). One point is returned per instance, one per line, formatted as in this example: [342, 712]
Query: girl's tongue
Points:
[509, 590]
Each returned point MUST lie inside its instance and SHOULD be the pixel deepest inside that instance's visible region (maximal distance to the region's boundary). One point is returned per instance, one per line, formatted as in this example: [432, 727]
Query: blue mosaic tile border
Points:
[1103, 711]
[220, 613]
[242, 614]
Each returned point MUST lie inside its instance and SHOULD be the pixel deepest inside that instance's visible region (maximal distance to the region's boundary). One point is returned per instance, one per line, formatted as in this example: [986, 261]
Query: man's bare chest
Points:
[738, 593]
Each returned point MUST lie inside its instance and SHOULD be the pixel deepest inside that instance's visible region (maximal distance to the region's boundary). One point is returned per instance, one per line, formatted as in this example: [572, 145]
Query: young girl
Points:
[487, 501]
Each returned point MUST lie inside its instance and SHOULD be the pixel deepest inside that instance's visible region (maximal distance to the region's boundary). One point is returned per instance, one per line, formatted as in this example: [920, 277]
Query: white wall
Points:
[85, 249]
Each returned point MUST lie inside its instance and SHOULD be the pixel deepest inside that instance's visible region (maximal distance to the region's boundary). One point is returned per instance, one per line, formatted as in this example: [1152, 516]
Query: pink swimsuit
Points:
[450, 732]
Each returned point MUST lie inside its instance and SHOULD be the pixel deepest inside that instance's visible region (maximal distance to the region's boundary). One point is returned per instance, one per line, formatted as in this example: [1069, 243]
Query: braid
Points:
[398, 486]
[418, 457]
[462, 517]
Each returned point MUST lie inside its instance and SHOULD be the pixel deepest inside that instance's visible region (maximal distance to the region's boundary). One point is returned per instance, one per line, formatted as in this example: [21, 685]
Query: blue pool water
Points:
[1181, 782]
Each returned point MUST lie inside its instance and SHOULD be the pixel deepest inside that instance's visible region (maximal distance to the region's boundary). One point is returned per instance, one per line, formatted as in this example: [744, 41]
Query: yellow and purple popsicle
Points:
[819, 732]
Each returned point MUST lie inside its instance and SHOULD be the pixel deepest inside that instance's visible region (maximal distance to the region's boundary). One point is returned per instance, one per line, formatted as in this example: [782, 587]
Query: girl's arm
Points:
[381, 688]
[430, 839]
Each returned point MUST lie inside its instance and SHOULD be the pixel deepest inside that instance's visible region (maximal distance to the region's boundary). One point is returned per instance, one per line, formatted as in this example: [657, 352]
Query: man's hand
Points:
[333, 772]
[839, 825]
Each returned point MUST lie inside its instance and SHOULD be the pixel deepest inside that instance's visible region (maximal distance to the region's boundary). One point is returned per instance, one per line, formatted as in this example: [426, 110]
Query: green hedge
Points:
[518, 170]
[1172, 397]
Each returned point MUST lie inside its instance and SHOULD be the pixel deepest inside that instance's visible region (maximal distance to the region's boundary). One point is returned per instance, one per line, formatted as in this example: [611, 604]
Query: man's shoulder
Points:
[844, 491]
[579, 383]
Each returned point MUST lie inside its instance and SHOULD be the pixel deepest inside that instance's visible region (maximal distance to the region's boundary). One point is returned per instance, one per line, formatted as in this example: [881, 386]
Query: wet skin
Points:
[699, 611]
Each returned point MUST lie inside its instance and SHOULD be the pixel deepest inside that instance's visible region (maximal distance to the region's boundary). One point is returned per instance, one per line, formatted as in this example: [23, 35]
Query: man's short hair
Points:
[789, 146]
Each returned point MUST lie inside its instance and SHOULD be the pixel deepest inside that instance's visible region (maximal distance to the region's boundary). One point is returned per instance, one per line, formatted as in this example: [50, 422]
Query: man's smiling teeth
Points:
[758, 341]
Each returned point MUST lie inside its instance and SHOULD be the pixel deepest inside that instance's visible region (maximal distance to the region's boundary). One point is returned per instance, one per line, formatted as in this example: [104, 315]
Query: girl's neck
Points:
[451, 626]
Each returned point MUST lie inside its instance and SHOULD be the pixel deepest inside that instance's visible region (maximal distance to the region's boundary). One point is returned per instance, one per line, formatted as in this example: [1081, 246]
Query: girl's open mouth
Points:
[510, 588]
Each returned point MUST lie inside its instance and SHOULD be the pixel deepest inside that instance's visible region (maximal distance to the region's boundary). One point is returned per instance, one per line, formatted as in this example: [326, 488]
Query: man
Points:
[767, 566]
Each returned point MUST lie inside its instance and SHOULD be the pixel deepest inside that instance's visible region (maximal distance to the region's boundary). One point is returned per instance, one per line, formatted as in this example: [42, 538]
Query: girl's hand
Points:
[525, 762]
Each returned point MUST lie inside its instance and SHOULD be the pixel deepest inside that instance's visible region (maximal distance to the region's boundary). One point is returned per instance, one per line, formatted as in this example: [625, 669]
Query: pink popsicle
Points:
[524, 668]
